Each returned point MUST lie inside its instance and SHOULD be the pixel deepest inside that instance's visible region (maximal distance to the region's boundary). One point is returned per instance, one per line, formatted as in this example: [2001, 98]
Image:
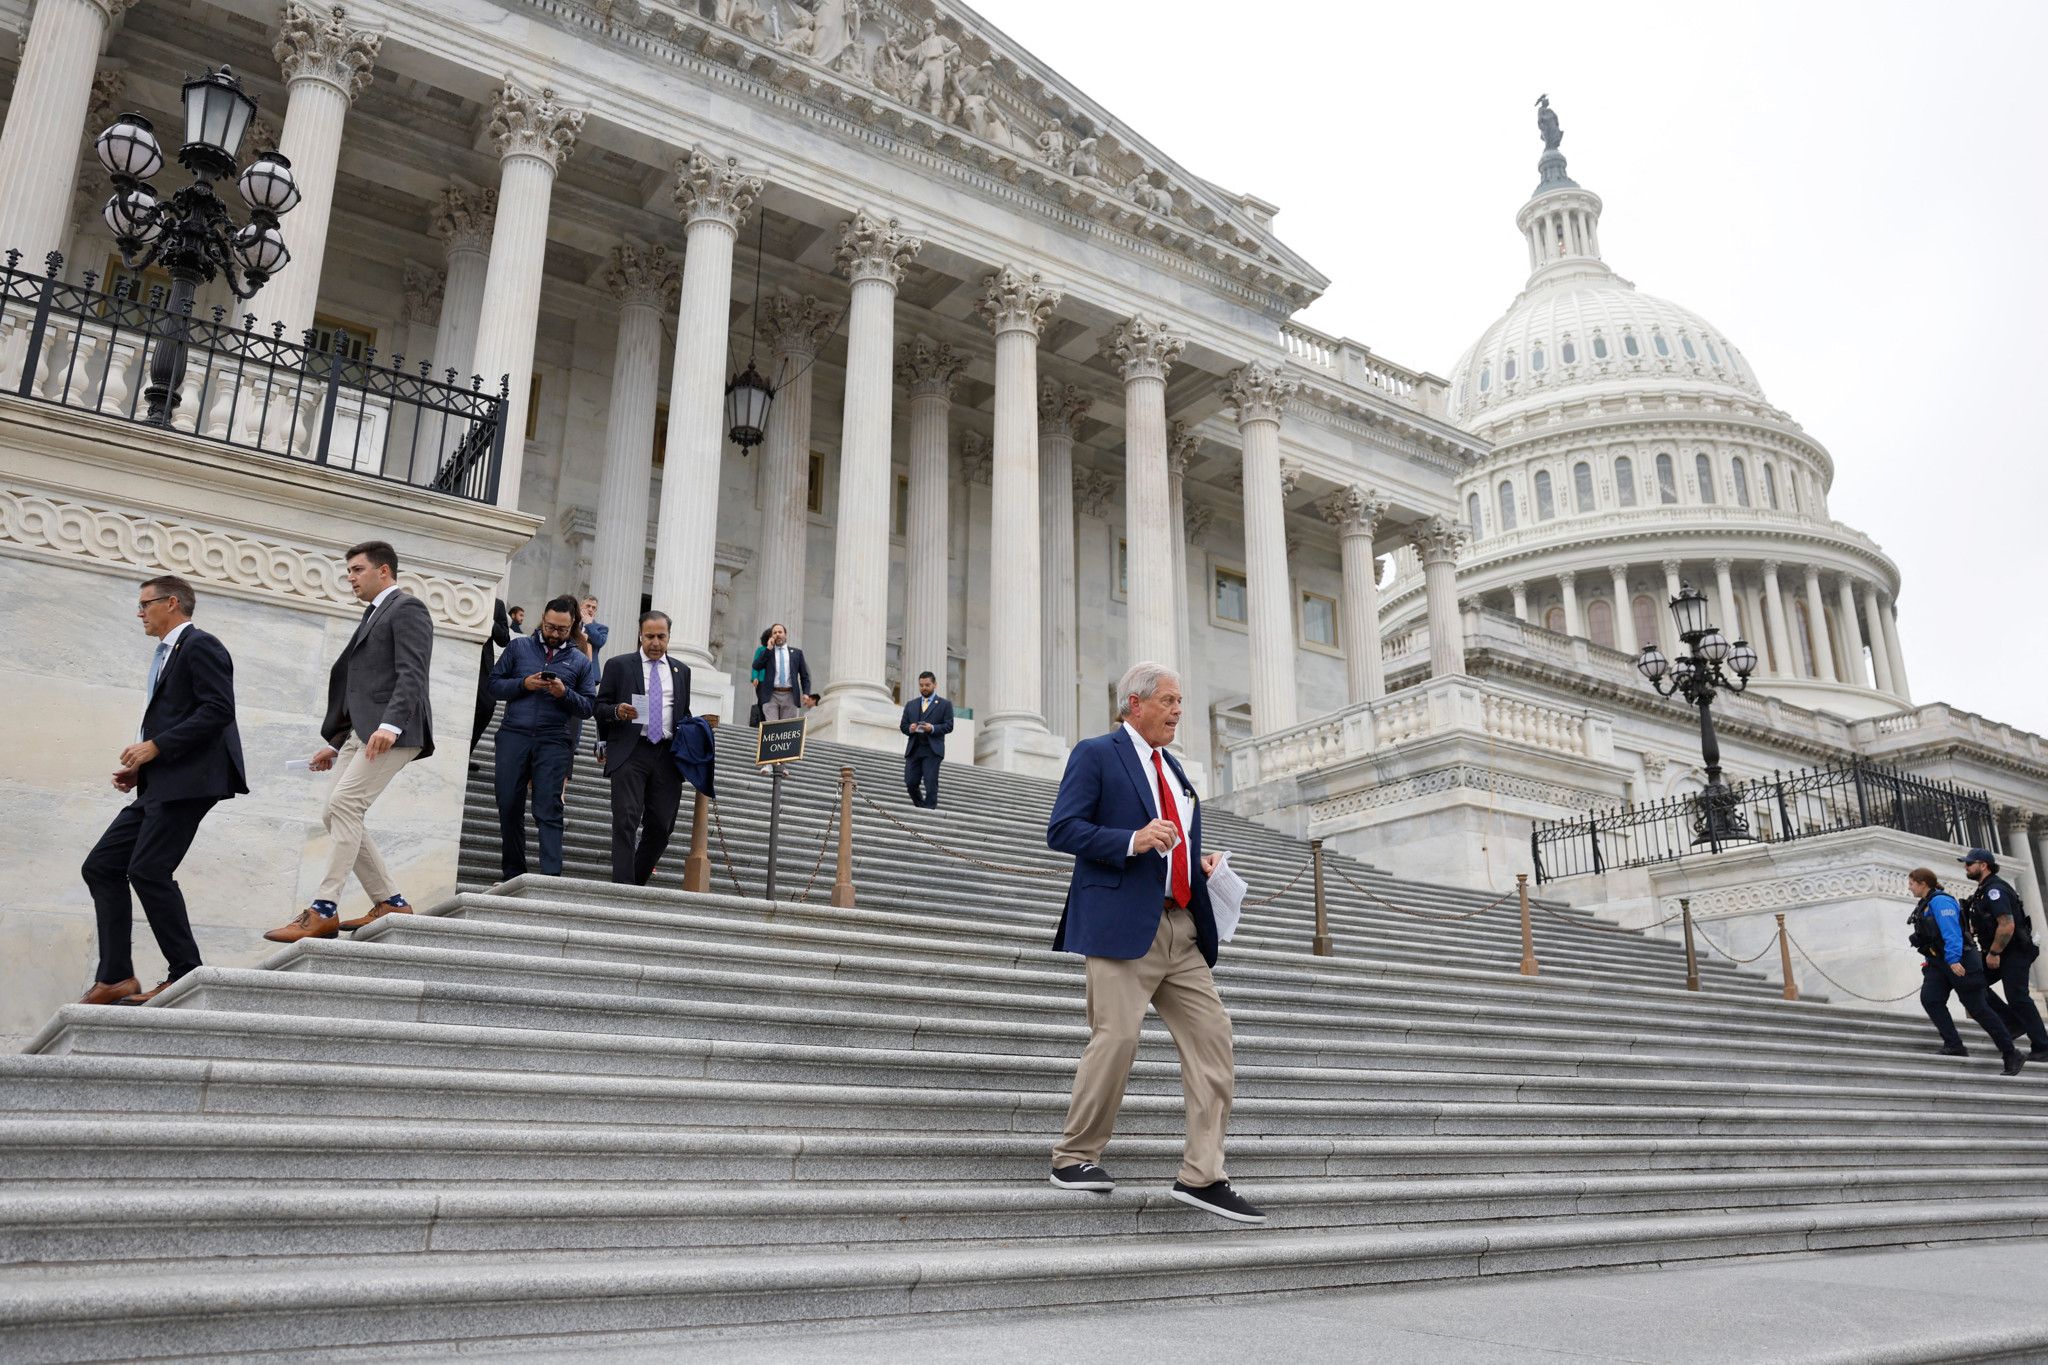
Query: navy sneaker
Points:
[1220, 1200]
[1086, 1176]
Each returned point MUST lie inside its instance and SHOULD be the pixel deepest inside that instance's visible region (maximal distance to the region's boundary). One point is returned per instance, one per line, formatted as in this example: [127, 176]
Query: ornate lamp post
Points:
[191, 232]
[1698, 674]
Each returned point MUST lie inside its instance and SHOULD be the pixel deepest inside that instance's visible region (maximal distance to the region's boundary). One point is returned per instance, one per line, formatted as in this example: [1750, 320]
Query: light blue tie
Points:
[156, 668]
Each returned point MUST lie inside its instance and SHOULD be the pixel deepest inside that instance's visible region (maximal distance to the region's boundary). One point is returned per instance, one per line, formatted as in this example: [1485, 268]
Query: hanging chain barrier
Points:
[1637, 930]
[1869, 999]
[1378, 899]
[950, 852]
[1299, 873]
[1723, 952]
[824, 844]
[725, 851]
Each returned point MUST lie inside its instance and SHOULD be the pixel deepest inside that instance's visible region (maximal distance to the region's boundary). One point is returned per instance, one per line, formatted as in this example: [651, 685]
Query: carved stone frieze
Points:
[714, 190]
[321, 45]
[537, 125]
[646, 275]
[872, 248]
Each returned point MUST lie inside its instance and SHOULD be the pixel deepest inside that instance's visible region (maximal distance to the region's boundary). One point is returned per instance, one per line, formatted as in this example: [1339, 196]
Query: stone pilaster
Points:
[46, 122]
[1259, 394]
[794, 329]
[927, 370]
[1060, 410]
[463, 225]
[1520, 592]
[1143, 352]
[1437, 543]
[1182, 445]
[644, 280]
[1356, 513]
[534, 134]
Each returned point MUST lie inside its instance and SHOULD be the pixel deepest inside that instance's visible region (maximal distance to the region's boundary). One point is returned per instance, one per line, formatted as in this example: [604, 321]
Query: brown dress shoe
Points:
[144, 997]
[377, 912]
[110, 992]
[310, 924]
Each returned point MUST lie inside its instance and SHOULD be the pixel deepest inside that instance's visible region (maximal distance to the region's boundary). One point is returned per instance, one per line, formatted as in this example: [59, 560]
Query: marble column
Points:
[2017, 852]
[1259, 394]
[533, 134]
[413, 450]
[794, 329]
[1568, 586]
[1013, 734]
[46, 123]
[1624, 610]
[1356, 512]
[1752, 595]
[1143, 352]
[643, 279]
[1521, 596]
[1781, 629]
[1724, 586]
[1817, 621]
[1880, 654]
[1060, 410]
[1858, 673]
[1182, 446]
[326, 63]
[873, 253]
[712, 197]
[1667, 623]
[463, 224]
[927, 369]
[1438, 542]
[1888, 618]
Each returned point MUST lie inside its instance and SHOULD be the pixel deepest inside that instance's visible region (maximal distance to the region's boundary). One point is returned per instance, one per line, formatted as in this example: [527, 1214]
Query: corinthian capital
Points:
[320, 45]
[1014, 300]
[797, 326]
[539, 126]
[708, 189]
[1182, 445]
[422, 294]
[872, 248]
[926, 367]
[1354, 511]
[1438, 540]
[643, 275]
[1142, 350]
[1258, 392]
[977, 458]
[465, 218]
[112, 9]
[1092, 491]
[1061, 408]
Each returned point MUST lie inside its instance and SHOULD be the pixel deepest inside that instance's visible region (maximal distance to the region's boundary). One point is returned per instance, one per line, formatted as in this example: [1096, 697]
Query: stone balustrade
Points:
[1356, 365]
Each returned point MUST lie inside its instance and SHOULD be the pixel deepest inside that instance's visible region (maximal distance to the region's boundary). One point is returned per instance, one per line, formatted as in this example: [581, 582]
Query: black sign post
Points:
[777, 743]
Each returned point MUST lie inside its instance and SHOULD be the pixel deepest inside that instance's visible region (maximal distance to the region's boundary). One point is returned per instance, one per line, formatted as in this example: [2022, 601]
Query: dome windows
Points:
[1629, 345]
[1741, 480]
[1625, 481]
[1538, 360]
[1663, 347]
[1712, 354]
[1472, 512]
[1485, 378]
[1599, 347]
[1703, 470]
[1568, 353]
[1667, 481]
[1685, 344]
[1600, 622]
[1546, 501]
[1582, 486]
[1507, 506]
[1507, 370]
[1771, 487]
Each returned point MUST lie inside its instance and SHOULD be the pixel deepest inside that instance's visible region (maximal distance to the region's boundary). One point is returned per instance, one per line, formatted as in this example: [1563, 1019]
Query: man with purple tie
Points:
[647, 786]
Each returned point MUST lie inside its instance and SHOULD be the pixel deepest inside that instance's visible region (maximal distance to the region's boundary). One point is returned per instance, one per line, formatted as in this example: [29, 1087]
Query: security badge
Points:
[1993, 893]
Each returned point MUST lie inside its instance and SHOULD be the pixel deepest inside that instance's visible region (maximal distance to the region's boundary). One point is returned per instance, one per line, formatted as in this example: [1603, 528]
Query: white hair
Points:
[1140, 681]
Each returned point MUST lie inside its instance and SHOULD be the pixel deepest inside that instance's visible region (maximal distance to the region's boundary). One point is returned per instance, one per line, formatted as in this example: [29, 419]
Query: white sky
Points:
[1853, 192]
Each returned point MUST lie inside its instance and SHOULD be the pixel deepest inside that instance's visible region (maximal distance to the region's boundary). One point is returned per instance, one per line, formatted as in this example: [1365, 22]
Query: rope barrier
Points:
[1869, 999]
[1345, 877]
[930, 842]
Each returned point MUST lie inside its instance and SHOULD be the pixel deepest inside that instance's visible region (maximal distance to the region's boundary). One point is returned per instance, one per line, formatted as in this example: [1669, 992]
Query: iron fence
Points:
[1774, 810]
[75, 346]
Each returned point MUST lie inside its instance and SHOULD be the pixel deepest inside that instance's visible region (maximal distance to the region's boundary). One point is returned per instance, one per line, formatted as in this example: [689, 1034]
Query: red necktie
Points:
[1177, 879]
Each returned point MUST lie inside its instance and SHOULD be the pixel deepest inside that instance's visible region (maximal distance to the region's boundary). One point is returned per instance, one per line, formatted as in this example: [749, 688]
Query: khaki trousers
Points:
[783, 704]
[1174, 980]
[358, 782]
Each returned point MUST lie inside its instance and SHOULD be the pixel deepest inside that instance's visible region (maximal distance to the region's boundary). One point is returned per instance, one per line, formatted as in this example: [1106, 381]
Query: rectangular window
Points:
[359, 339]
[902, 504]
[814, 489]
[1229, 597]
[1123, 569]
[533, 407]
[1318, 620]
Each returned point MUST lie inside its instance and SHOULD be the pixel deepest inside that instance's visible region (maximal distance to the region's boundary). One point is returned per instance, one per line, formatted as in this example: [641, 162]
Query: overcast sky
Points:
[1853, 192]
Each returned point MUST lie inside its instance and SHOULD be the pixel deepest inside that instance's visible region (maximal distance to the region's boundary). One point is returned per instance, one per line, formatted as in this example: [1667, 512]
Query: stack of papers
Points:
[1226, 897]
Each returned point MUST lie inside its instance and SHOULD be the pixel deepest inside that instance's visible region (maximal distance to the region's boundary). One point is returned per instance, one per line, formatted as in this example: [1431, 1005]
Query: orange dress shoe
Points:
[110, 992]
[143, 997]
[310, 924]
[377, 912]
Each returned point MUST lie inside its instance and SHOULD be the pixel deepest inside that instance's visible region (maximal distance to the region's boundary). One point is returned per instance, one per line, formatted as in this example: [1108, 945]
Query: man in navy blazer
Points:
[187, 757]
[647, 786]
[927, 719]
[1138, 909]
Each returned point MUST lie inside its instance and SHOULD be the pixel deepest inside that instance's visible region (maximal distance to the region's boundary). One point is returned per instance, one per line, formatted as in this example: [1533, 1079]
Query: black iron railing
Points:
[75, 346]
[1777, 809]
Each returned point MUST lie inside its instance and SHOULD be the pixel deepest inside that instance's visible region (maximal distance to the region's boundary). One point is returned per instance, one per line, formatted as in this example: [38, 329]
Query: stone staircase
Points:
[558, 1115]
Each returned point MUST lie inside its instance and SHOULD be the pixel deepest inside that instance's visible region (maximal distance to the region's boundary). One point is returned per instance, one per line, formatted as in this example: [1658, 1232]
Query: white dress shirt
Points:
[668, 693]
[375, 603]
[167, 644]
[1173, 785]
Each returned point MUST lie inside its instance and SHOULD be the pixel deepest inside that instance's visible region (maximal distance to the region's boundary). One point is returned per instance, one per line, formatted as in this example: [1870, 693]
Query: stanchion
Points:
[1529, 967]
[1321, 946]
[842, 888]
[1692, 961]
[697, 866]
[1785, 961]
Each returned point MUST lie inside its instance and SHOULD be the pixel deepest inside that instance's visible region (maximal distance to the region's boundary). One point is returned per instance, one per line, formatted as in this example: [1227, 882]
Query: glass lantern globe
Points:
[131, 215]
[261, 249]
[129, 147]
[1714, 646]
[1683, 667]
[1652, 663]
[268, 184]
[217, 113]
[1742, 659]
[1689, 609]
[747, 397]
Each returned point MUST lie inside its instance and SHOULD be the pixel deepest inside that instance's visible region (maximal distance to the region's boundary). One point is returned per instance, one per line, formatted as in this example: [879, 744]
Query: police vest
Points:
[1983, 909]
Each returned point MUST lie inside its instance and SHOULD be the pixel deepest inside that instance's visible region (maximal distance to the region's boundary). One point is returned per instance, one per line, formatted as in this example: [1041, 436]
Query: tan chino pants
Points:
[358, 781]
[1173, 979]
[783, 704]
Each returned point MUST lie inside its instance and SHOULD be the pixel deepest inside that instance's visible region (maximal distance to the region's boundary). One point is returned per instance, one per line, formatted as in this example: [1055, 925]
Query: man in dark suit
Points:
[549, 687]
[186, 757]
[378, 720]
[782, 680]
[1138, 908]
[647, 786]
[927, 719]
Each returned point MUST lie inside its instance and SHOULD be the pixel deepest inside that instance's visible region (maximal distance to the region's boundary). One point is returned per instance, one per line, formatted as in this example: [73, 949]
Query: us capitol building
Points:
[1038, 409]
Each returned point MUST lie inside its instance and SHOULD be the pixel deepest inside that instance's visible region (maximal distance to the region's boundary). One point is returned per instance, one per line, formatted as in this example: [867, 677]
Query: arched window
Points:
[1771, 486]
[1713, 354]
[1703, 469]
[1599, 347]
[1537, 360]
[1554, 620]
[1686, 342]
[1507, 506]
[1625, 481]
[1568, 353]
[1472, 511]
[1663, 346]
[1507, 370]
[1546, 504]
[1741, 481]
[1667, 480]
[1582, 486]
[1645, 613]
[1485, 378]
[1600, 622]
[1629, 345]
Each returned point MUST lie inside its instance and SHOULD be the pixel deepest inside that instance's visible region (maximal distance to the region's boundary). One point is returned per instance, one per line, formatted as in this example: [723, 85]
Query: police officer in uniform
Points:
[1999, 920]
[1952, 963]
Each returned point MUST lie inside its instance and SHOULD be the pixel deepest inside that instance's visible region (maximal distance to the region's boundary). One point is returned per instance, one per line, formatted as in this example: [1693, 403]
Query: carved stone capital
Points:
[320, 45]
[261, 137]
[1438, 540]
[112, 9]
[1722, 566]
[1014, 300]
[1770, 568]
[465, 218]
[872, 248]
[927, 368]
[1093, 490]
[1061, 408]
[977, 459]
[423, 288]
[539, 126]
[1142, 349]
[1290, 478]
[646, 276]
[1354, 511]
[1182, 445]
[1195, 520]
[1258, 392]
[2014, 819]
[1670, 567]
[712, 190]
[109, 97]
[1568, 577]
[797, 327]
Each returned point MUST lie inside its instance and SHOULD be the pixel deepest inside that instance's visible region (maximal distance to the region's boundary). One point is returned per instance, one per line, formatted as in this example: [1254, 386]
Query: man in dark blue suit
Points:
[1138, 908]
[927, 719]
[186, 757]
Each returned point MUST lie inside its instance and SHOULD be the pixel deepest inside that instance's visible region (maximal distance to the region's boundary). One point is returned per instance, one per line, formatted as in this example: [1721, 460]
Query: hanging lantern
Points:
[1689, 609]
[747, 396]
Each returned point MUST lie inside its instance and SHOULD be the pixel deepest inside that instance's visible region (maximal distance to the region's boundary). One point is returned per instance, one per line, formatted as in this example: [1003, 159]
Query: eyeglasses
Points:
[152, 601]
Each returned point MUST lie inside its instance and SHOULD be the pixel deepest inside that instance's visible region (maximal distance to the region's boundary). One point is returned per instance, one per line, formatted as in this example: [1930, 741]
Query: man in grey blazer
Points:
[378, 720]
